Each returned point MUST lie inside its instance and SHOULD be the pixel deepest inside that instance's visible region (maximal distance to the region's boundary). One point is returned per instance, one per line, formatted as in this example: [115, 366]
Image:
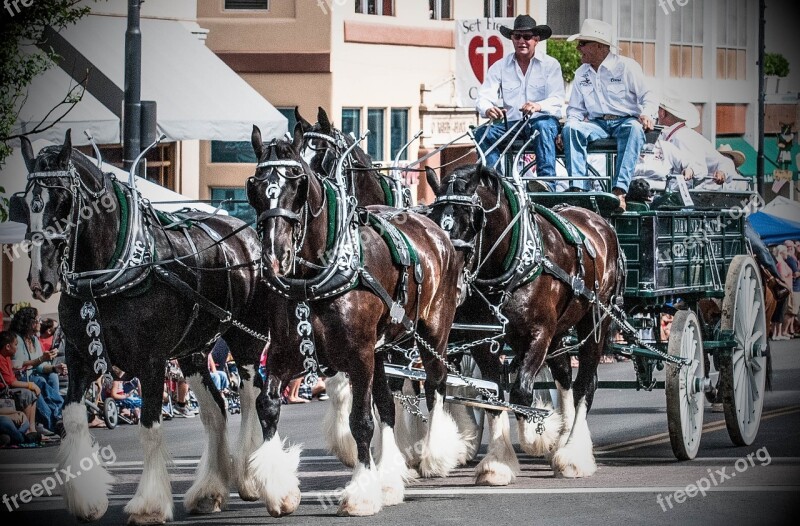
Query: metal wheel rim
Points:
[110, 410]
[685, 398]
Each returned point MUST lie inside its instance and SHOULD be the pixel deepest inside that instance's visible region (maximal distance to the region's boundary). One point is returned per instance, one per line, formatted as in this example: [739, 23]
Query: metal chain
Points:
[257, 335]
[411, 404]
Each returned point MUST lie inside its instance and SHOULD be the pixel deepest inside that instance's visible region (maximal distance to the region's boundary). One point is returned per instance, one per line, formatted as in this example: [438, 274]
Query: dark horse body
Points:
[347, 327]
[539, 313]
[144, 325]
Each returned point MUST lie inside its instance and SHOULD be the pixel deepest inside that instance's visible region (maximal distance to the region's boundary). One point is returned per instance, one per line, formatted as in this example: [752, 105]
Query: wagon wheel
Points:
[743, 372]
[89, 397]
[470, 369]
[684, 386]
[110, 414]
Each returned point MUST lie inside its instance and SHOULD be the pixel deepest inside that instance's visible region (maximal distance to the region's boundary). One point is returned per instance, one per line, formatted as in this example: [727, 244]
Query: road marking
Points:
[661, 438]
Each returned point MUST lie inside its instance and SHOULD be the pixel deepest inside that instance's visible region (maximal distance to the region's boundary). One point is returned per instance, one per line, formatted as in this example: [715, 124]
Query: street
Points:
[638, 480]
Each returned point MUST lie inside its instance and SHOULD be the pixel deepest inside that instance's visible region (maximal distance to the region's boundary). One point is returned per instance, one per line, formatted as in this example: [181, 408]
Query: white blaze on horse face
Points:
[36, 205]
[273, 191]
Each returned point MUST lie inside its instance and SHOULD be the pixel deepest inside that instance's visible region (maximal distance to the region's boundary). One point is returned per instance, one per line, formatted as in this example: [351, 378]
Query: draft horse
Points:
[135, 293]
[536, 289]
[355, 296]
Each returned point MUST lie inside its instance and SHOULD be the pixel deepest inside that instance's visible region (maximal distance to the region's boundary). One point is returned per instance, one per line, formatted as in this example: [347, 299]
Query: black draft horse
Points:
[346, 328]
[539, 314]
[80, 221]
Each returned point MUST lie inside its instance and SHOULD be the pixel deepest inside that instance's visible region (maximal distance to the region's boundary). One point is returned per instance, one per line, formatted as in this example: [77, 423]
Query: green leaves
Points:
[3, 206]
[776, 64]
[567, 55]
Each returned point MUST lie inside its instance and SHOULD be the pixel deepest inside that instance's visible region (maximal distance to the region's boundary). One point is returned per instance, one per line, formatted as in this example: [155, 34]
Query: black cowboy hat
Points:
[527, 23]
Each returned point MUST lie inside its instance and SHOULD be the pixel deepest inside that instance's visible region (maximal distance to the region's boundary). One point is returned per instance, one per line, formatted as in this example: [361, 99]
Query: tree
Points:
[567, 55]
[22, 28]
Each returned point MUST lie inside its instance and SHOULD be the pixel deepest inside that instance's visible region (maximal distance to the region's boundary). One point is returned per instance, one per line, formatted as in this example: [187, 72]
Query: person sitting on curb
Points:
[23, 393]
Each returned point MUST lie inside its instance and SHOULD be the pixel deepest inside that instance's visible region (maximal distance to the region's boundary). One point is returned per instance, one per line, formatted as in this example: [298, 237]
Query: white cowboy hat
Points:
[736, 156]
[681, 109]
[595, 31]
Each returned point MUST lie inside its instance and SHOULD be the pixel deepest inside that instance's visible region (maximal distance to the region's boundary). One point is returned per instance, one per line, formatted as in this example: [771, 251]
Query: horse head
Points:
[279, 193]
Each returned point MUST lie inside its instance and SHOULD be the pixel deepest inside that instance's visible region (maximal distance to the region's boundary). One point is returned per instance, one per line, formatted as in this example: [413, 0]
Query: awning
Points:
[771, 150]
[773, 229]
[198, 96]
[783, 208]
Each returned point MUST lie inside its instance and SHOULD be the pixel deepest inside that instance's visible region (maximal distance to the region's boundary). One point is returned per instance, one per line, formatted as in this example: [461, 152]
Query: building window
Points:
[563, 17]
[291, 121]
[375, 7]
[498, 8]
[595, 9]
[440, 9]
[399, 133]
[637, 33]
[250, 5]
[375, 117]
[160, 162]
[232, 152]
[237, 204]
[351, 121]
[732, 40]
[686, 43]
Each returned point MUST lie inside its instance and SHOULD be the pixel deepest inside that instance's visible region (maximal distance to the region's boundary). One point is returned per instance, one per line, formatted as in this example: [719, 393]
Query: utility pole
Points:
[132, 113]
[761, 99]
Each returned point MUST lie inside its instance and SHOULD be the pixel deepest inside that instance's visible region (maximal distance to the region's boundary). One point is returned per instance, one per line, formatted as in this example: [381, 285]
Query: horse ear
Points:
[323, 120]
[297, 142]
[433, 179]
[66, 149]
[258, 144]
[301, 121]
[27, 153]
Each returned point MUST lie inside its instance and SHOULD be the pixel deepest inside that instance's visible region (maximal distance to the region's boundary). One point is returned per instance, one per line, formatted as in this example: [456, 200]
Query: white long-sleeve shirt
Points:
[618, 87]
[542, 84]
[691, 144]
[663, 159]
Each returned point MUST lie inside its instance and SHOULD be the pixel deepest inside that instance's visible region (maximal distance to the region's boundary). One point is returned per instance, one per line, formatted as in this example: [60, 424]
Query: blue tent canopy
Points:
[773, 229]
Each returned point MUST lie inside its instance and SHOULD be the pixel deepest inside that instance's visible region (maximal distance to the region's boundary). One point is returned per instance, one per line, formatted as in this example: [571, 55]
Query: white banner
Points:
[479, 44]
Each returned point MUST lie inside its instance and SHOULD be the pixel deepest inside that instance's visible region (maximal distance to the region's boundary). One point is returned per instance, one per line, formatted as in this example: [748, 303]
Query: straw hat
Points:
[680, 108]
[595, 31]
[735, 155]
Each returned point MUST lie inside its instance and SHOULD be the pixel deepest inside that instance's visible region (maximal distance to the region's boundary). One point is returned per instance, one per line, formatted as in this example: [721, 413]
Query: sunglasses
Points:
[582, 43]
[524, 36]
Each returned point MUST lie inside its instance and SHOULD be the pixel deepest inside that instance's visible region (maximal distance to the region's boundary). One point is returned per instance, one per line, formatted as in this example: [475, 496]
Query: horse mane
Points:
[78, 158]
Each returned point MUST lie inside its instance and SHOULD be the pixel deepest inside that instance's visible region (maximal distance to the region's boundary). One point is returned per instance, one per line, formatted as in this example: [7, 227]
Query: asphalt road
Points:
[636, 482]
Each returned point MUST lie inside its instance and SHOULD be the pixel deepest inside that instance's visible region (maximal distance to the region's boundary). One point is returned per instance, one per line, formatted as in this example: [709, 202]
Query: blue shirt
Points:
[792, 262]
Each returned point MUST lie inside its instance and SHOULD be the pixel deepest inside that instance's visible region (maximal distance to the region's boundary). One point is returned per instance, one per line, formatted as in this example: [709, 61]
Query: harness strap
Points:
[396, 311]
[576, 282]
[171, 279]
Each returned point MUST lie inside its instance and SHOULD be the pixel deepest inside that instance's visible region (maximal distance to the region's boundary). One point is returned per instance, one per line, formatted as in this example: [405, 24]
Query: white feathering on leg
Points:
[576, 459]
[444, 445]
[250, 439]
[152, 502]
[275, 469]
[533, 443]
[336, 424]
[500, 465]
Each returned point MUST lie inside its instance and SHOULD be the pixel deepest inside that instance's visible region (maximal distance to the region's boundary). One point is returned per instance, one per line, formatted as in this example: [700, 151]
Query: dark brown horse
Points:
[339, 318]
[475, 206]
[120, 306]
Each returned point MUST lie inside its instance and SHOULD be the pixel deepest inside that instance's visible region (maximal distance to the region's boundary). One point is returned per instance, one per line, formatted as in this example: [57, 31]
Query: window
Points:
[289, 114]
[563, 17]
[594, 9]
[440, 9]
[399, 133]
[160, 162]
[375, 139]
[637, 33]
[686, 42]
[375, 7]
[260, 5]
[232, 152]
[732, 40]
[238, 207]
[351, 121]
[498, 8]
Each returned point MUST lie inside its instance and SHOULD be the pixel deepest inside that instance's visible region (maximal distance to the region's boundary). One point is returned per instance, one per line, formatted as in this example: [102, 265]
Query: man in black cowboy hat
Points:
[523, 83]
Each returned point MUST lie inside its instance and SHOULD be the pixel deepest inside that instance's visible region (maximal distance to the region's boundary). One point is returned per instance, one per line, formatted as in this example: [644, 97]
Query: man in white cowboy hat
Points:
[679, 117]
[609, 99]
[524, 83]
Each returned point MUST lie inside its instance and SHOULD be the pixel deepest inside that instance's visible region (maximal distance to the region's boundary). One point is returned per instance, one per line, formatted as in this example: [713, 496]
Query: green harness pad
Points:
[387, 192]
[403, 252]
[571, 234]
[173, 221]
[333, 209]
[514, 204]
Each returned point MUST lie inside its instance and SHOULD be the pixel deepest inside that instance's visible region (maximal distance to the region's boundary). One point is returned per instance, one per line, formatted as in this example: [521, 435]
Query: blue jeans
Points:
[7, 427]
[544, 145]
[220, 380]
[629, 134]
[50, 403]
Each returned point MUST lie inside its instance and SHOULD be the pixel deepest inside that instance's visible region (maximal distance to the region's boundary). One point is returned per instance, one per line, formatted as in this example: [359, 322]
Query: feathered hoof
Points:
[205, 505]
[288, 504]
[92, 513]
[358, 508]
[495, 476]
[248, 492]
[393, 496]
[572, 466]
[143, 519]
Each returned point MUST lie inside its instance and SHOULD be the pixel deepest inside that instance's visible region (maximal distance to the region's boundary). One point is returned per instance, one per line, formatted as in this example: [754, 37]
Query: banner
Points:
[479, 44]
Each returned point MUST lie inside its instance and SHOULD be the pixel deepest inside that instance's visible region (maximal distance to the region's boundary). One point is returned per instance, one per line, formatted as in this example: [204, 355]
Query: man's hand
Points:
[18, 418]
[559, 142]
[688, 174]
[35, 388]
[647, 122]
[61, 368]
[495, 113]
[719, 177]
[530, 107]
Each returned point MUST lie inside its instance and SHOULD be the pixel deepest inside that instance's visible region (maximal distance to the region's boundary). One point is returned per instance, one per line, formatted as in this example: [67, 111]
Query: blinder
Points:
[18, 211]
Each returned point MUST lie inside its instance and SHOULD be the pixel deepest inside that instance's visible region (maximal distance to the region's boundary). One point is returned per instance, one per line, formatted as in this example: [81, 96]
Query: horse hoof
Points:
[206, 505]
[494, 478]
[362, 508]
[571, 468]
[289, 504]
[142, 519]
[393, 496]
[572, 471]
[94, 513]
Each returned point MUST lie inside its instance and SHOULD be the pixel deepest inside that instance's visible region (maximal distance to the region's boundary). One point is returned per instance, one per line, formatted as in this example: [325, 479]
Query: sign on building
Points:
[479, 44]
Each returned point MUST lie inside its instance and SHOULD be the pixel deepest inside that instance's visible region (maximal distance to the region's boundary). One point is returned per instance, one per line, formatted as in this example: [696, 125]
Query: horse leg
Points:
[250, 436]
[86, 497]
[465, 419]
[410, 430]
[336, 427]
[574, 458]
[209, 493]
[363, 496]
[444, 448]
[273, 467]
[530, 440]
[152, 503]
[500, 465]
[391, 463]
